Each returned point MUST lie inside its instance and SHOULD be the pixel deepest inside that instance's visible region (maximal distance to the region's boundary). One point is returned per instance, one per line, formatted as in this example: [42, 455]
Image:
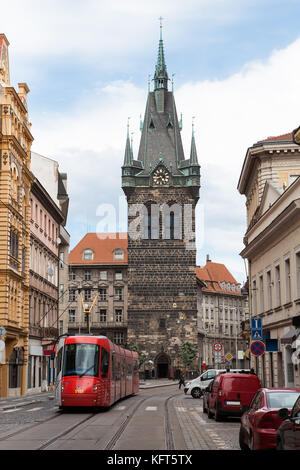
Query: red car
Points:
[288, 433]
[260, 422]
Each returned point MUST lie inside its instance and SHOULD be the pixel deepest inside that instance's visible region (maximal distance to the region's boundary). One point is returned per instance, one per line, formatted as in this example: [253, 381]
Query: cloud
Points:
[232, 114]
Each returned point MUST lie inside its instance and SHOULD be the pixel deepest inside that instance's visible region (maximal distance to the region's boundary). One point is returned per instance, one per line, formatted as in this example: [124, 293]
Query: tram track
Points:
[113, 440]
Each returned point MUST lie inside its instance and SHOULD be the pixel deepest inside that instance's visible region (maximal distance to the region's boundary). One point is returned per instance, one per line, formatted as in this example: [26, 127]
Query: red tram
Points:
[94, 372]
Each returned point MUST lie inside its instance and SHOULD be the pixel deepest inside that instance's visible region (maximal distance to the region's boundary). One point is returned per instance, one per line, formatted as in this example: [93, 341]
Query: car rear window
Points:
[281, 399]
[241, 383]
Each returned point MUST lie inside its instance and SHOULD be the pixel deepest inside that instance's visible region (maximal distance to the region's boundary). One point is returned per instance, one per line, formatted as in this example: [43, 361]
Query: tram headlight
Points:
[95, 388]
[62, 387]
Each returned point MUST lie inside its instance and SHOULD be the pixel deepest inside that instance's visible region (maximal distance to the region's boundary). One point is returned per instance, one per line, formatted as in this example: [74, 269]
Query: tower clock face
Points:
[160, 176]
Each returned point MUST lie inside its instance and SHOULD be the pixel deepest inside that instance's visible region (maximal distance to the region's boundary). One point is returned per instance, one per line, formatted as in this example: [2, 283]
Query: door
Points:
[58, 367]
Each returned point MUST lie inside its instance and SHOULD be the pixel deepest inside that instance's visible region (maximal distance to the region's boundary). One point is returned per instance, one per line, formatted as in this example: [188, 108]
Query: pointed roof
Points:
[161, 73]
[128, 158]
[193, 156]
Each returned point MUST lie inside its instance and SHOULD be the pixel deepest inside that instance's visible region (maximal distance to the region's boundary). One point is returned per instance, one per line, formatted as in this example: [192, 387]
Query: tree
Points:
[187, 353]
[141, 355]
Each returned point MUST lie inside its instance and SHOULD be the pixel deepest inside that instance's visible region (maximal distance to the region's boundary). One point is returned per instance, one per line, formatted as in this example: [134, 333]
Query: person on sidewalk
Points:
[181, 381]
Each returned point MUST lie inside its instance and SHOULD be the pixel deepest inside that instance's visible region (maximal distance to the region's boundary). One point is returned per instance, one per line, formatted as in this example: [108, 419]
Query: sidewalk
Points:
[25, 400]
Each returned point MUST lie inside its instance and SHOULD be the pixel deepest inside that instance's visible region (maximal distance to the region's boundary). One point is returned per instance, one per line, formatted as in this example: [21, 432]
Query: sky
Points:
[236, 70]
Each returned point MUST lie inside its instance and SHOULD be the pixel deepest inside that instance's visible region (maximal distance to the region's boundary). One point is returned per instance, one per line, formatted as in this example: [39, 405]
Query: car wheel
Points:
[218, 416]
[209, 413]
[204, 408]
[251, 442]
[196, 393]
[279, 444]
[243, 446]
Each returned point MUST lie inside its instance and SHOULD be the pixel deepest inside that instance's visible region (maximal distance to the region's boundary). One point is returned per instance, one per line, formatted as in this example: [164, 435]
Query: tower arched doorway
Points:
[162, 364]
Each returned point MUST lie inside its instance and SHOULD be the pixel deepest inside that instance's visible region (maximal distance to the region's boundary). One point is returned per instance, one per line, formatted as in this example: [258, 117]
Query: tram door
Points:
[58, 366]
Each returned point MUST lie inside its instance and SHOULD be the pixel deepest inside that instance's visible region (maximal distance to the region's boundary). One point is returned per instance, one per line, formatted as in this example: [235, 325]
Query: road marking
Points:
[151, 408]
[121, 408]
[34, 409]
[11, 411]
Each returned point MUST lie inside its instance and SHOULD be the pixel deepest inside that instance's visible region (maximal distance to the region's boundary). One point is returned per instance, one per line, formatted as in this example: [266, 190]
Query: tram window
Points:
[81, 359]
[58, 360]
[104, 362]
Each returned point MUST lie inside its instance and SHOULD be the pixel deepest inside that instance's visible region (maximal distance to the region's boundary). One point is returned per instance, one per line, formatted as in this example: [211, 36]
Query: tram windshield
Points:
[81, 359]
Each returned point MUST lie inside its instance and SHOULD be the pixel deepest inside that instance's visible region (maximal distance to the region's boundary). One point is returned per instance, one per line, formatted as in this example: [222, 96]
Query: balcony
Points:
[97, 325]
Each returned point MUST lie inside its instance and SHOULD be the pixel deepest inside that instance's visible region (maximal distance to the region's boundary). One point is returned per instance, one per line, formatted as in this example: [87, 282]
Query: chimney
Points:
[207, 259]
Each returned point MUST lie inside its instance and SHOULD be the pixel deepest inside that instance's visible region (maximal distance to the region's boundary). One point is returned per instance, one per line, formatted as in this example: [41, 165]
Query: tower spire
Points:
[161, 75]
[128, 150]
[193, 155]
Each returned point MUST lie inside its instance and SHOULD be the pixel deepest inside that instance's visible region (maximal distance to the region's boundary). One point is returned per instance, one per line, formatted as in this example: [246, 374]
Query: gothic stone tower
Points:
[162, 190]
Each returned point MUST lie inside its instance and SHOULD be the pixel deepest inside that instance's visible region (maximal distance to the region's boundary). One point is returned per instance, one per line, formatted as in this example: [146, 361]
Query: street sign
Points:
[256, 329]
[218, 347]
[257, 348]
[228, 356]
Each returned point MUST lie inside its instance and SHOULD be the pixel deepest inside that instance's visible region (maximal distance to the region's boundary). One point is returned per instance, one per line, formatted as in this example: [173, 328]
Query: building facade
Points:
[222, 307]
[49, 216]
[15, 183]
[45, 221]
[98, 287]
[162, 190]
[270, 181]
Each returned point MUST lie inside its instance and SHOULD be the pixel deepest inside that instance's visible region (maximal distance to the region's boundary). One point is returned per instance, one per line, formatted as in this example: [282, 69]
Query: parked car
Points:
[231, 394]
[260, 422]
[197, 386]
[288, 433]
[206, 393]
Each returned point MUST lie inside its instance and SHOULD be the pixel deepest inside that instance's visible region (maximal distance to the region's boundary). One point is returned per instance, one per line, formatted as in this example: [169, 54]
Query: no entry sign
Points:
[257, 348]
[218, 347]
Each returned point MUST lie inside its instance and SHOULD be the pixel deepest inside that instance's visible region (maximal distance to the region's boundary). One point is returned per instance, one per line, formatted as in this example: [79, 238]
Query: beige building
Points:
[15, 182]
[98, 284]
[269, 180]
[222, 308]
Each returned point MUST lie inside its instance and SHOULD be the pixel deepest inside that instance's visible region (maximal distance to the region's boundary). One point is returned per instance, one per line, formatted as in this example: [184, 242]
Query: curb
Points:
[29, 402]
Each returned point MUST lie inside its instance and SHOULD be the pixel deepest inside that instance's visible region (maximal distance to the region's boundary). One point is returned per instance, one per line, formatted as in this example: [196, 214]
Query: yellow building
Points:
[15, 183]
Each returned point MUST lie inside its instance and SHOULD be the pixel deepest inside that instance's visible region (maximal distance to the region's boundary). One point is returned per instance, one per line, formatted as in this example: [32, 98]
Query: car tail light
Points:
[267, 421]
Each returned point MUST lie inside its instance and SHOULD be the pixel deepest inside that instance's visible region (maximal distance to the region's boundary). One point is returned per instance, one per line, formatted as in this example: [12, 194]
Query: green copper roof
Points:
[193, 156]
[161, 75]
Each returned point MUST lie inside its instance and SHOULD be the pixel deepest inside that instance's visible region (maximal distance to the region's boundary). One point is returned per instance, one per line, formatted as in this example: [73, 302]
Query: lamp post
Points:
[86, 310]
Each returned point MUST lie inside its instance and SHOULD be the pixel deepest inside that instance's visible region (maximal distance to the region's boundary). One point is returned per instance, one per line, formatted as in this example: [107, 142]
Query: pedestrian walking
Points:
[181, 381]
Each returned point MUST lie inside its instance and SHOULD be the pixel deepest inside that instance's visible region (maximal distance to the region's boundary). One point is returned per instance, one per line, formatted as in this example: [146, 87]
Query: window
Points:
[118, 254]
[102, 315]
[14, 244]
[277, 285]
[118, 315]
[87, 295]
[72, 276]
[162, 323]
[269, 288]
[87, 275]
[103, 294]
[118, 293]
[71, 315]
[287, 280]
[119, 337]
[72, 295]
[254, 310]
[104, 362]
[118, 276]
[103, 275]
[298, 273]
[261, 293]
[88, 254]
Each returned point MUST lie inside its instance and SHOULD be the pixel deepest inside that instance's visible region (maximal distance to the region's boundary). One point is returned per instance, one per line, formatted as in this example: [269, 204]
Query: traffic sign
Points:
[257, 348]
[256, 329]
[229, 356]
[218, 347]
